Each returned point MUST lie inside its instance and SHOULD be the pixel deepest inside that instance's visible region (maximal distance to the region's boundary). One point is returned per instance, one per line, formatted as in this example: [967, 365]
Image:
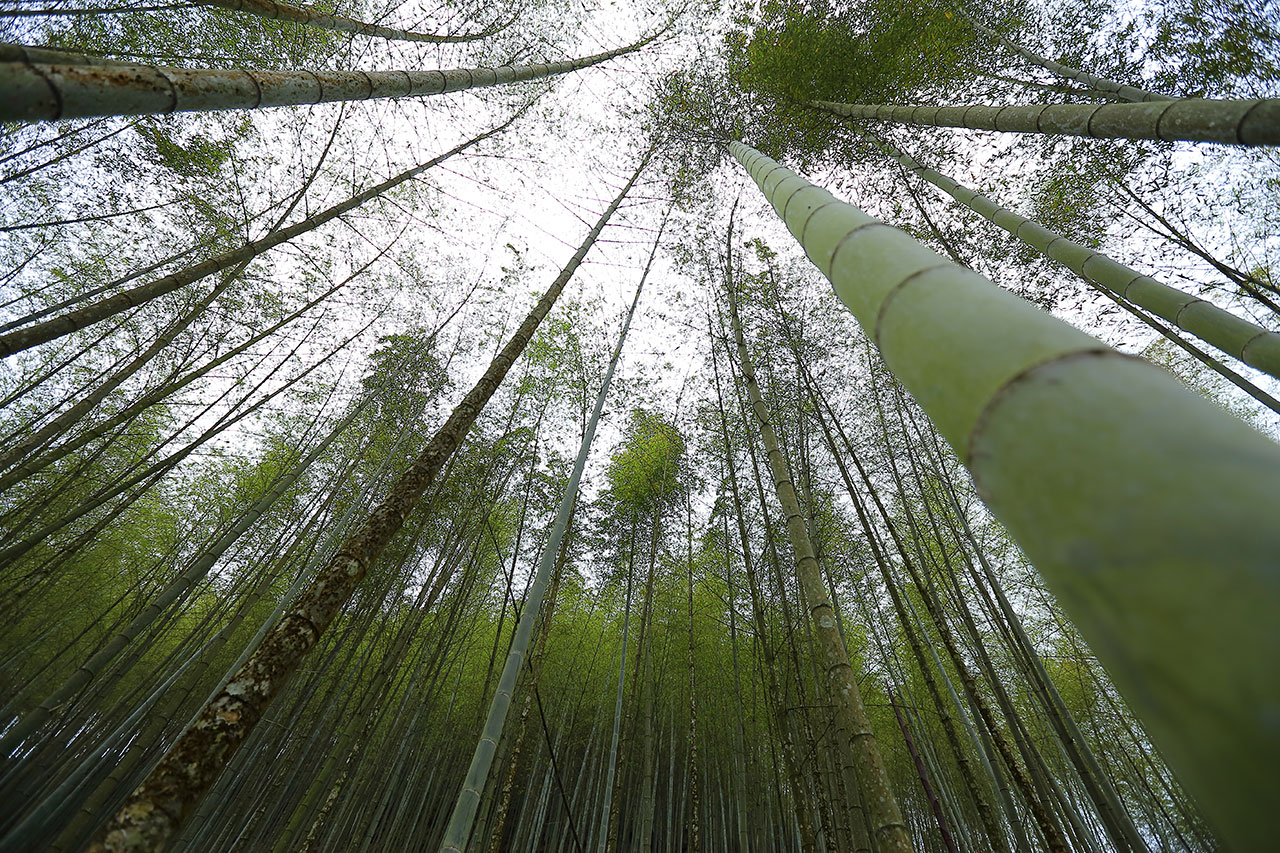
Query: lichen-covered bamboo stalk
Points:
[156, 810]
[1243, 122]
[463, 816]
[65, 324]
[341, 23]
[1150, 512]
[40, 92]
[853, 726]
[1252, 344]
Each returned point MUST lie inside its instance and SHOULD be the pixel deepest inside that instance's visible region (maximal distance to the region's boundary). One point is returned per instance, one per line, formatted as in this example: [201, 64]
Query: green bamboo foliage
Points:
[1111, 477]
[157, 809]
[288, 12]
[39, 92]
[1252, 344]
[1245, 122]
[191, 575]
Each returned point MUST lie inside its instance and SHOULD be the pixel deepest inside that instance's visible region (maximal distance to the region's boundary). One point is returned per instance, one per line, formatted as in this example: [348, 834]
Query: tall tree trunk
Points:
[39, 92]
[340, 23]
[459, 829]
[1252, 344]
[157, 809]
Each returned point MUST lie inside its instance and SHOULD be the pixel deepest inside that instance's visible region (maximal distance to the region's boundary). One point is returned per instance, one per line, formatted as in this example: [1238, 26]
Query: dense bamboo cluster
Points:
[325, 526]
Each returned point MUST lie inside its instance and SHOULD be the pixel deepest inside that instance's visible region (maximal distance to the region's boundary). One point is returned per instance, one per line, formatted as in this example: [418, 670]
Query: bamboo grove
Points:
[842, 426]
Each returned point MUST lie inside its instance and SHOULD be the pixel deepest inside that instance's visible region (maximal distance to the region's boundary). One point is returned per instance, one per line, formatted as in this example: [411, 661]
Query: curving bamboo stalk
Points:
[1149, 511]
[42, 92]
[1248, 122]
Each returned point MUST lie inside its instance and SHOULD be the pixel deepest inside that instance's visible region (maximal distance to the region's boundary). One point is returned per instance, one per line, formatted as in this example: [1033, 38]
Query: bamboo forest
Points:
[685, 425]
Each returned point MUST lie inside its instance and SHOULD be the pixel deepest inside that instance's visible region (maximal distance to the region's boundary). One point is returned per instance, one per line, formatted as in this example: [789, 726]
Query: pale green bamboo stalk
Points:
[10, 52]
[1067, 72]
[464, 810]
[1150, 512]
[340, 23]
[40, 92]
[1252, 344]
[1247, 122]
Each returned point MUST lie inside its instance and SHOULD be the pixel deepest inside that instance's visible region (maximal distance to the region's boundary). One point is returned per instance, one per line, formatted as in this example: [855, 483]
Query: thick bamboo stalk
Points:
[157, 809]
[1244, 122]
[1252, 344]
[340, 23]
[1149, 511]
[40, 92]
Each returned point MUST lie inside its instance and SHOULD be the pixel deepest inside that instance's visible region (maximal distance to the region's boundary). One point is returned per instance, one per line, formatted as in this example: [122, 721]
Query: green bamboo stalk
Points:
[156, 810]
[340, 23]
[458, 830]
[10, 52]
[853, 726]
[1067, 72]
[40, 92]
[1149, 511]
[64, 324]
[1252, 344]
[1246, 122]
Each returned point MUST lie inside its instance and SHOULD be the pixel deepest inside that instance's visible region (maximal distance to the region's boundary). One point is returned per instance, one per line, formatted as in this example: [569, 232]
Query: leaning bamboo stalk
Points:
[1112, 478]
[850, 716]
[341, 23]
[40, 92]
[1241, 122]
[64, 324]
[458, 830]
[1250, 343]
[1093, 81]
[21, 53]
[157, 809]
